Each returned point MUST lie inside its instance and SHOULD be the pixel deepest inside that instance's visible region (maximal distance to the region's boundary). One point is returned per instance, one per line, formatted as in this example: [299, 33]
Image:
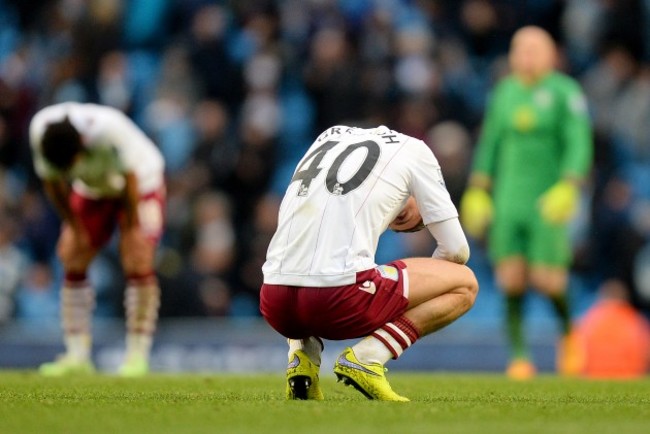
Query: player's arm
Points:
[451, 240]
[560, 202]
[476, 204]
[125, 137]
[576, 136]
[58, 191]
[436, 207]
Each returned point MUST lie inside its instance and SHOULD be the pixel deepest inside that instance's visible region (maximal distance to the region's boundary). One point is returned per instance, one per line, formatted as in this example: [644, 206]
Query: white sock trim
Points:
[400, 333]
[389, 340]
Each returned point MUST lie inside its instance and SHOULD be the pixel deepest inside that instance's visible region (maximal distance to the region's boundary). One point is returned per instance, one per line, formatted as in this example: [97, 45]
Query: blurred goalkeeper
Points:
[534, 152]
[320, 278]
[101, 171]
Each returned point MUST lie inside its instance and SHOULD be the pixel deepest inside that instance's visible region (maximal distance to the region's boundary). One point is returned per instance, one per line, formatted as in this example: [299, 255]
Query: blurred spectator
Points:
[214, 246]
[37, 301]
[168, 115]
[216, 152]
[12, 266]
[450, 143]
[113, 84]
[614, 335]
[331, 76]
[217, 74]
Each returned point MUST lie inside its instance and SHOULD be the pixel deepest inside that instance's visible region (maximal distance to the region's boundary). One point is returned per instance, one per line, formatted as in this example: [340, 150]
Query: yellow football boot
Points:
[134, 367]
[66, 365]
[302, 378]
[367, 378]
[521, 369]
[570, 357]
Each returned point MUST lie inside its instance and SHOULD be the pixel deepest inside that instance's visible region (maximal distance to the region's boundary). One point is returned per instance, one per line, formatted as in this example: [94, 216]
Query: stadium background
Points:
[233, 92]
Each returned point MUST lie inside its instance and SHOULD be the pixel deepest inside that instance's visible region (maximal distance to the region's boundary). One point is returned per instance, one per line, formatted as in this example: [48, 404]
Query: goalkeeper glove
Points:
[476, 211]
[560, 202]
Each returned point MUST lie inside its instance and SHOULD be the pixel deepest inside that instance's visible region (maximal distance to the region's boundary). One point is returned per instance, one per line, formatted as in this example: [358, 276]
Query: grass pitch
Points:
[441, 403]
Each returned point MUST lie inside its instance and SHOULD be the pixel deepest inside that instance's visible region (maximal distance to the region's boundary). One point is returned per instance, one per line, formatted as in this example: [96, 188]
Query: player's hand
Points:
[409, 219]
[476, 211]
[560, 202]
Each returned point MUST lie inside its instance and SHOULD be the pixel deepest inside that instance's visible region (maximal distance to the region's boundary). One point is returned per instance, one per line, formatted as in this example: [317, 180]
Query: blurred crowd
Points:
[234, 91]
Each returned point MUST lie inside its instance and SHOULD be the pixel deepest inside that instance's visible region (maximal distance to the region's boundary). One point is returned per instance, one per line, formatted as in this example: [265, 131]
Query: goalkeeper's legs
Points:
[511, 276]
[553, 281]
[438, 292]
[303, 369]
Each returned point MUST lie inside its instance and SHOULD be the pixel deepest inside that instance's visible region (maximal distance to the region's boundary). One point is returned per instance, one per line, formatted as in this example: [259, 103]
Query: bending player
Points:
[535, 150]
[320, 278]
[100, 171]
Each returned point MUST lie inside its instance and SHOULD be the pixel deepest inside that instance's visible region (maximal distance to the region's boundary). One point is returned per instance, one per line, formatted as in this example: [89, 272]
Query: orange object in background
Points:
[616, 337]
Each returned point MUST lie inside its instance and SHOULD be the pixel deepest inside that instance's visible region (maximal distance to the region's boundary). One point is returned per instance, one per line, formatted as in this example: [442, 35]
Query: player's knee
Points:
[550, 282]
[471, 288]
[73, 259]
[137, 267]
[137, 262]
[468, 289]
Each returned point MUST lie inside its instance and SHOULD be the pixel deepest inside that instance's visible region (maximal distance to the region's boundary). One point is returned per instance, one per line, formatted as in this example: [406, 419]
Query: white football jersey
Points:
[114, 146]
[346, 190]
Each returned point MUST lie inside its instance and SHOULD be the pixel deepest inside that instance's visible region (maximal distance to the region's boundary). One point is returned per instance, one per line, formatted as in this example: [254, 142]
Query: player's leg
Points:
[507, 250]
[141, 302]
[142, 295]
[551, 255]
[76, 249]
[279, 306]
[303, 369]
[552, 282]
[512, 277]
[437, 293]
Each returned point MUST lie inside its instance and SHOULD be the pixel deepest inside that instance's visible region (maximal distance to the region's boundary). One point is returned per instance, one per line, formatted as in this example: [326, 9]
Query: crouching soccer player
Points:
[320, 278]
[101, 171]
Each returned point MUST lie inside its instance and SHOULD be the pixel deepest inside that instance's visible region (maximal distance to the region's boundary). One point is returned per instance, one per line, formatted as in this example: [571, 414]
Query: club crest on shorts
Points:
[388, 272]
[368, 287]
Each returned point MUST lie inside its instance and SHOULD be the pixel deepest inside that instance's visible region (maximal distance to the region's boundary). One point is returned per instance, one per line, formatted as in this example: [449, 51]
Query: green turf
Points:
[441, 403]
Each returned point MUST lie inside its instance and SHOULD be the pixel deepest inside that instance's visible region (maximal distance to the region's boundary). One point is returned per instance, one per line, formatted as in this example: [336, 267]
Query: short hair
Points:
[61, 143]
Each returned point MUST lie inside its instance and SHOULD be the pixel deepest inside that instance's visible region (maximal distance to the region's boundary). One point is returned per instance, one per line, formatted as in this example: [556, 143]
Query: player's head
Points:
[532, 53]
[61, 144]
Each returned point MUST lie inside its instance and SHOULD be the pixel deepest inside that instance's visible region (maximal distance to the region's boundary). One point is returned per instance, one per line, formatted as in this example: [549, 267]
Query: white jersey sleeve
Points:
[43, 169]
[427, 184]
[113, 144]
[346, 190]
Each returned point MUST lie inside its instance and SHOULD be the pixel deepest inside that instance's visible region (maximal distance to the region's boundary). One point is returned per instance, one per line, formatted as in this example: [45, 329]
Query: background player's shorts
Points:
[379, 295]
[100, 216]
[540, 242]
